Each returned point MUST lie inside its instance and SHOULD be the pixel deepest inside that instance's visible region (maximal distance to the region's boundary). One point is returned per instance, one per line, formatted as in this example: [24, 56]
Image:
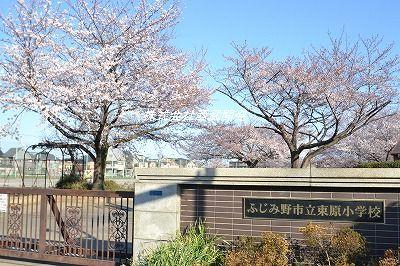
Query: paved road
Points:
[4, 262]
[29, 182]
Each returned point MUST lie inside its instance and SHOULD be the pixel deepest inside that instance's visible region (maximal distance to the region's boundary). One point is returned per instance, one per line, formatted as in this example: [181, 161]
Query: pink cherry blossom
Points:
[253, 146]
[315, 100]
[94, 69]
[373, 143]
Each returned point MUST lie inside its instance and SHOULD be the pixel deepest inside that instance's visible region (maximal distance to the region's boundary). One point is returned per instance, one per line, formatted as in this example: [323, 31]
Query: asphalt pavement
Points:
[9, 262]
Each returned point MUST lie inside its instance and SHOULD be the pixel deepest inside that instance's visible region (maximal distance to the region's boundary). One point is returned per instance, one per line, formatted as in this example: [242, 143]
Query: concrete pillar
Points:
[156, 215]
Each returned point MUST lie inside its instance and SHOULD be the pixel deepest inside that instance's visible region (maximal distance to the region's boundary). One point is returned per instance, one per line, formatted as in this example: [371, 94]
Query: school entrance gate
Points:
[66, 226]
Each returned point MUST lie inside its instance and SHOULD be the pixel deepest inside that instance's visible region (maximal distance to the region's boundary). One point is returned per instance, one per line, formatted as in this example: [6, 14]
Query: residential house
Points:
[237, 164]
[153, 163]
[16, 162]
[140, 161]
[119, 164]
[115, 164]
[176, 163]
[12, 162]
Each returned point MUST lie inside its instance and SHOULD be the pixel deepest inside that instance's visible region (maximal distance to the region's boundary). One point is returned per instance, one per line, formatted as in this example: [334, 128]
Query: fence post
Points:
[43, 218]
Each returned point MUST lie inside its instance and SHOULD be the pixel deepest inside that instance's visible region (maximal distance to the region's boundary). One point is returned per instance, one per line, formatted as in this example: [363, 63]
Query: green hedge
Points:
[74, 182]
[392, 164]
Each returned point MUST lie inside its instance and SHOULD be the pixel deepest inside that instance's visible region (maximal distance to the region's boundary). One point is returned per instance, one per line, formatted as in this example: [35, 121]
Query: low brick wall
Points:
[216, 196]
[222, 209]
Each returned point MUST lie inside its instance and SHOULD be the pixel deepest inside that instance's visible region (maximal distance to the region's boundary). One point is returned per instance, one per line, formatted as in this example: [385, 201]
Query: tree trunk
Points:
[73, 162]
[388, 153]
[306, 162]
[99, 168]
[294, 160]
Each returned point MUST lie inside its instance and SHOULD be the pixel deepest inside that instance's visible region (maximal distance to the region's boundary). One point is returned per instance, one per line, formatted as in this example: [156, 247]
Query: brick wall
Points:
[221, 207]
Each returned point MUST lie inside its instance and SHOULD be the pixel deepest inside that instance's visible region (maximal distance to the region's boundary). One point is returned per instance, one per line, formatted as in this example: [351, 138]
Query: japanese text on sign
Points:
[357, 211]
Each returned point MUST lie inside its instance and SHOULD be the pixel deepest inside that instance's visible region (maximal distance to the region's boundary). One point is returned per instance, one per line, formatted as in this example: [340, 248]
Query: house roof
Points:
[42, 156]
[11, 153]
[115, 155]
[396, 149]
[20, 152]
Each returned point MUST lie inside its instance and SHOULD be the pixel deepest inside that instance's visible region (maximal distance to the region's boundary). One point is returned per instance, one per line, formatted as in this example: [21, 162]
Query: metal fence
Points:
[69, 226]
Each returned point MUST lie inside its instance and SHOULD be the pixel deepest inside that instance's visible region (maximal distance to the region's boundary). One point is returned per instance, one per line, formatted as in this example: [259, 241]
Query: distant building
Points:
[237, 164]
[33, 163]
[166, 162]
[12, 162]
[15, 154]
[153, 163]
[140, 161]
[119, 164]
[176, 163]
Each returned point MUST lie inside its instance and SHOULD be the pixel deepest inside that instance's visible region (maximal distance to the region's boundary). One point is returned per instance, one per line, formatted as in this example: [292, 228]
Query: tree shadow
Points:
[203, 177]
[382, 236]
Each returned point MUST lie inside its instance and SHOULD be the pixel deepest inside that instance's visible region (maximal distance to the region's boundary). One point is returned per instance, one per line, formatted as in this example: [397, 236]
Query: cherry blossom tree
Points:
[313, 101]
[103, 73]
[373, 143]
[242, 142]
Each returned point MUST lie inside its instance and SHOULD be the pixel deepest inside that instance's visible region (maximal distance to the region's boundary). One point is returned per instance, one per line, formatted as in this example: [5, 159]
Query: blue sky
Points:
[287, 27]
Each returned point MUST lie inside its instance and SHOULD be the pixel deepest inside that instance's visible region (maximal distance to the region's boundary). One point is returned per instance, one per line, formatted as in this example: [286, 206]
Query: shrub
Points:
[349, 245]
[392, 164]
[194, 247]
[272, 250]
[389, 259]
[245, 253]
[75, 182]
[111, 185]
[128, 186]
[328, 246]
[72, 182]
